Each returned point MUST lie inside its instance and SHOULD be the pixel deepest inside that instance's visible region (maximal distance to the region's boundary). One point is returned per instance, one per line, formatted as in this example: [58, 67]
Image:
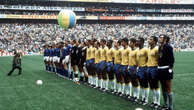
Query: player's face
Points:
[161, 40]
[151, 41]
[138, 43]
[131, 44]
[116, 44]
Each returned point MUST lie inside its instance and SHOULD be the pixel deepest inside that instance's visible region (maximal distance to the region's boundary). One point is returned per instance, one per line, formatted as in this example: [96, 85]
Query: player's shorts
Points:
[109, 66]
[87, 63]
[46, 58]
[91, 63]
[132, 71]
[97, 69]
[73, 62]
[165, 74]
[152, 72]
[102, 66]
[66, 60]
[116, 68]
[141, 73]
[124, 69]
[50, 59]
[56, 59]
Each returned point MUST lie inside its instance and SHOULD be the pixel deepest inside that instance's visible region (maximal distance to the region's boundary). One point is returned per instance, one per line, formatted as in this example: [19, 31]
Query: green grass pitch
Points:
[22, 93]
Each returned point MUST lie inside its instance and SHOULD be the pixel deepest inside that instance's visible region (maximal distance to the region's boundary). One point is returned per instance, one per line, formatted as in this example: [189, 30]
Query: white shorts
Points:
[55, 59]
[67, 59]
[50, 59]
[46, 58]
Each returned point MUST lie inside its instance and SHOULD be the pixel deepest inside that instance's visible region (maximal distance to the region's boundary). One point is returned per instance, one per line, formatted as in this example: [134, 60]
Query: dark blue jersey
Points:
[57, 52]
[52, 52]
[69, 47]
[46, 52]
[166, 56]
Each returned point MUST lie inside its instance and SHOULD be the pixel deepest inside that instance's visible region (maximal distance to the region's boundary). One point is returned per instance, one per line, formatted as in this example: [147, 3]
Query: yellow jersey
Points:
[152, 57]
[117, 56]
[103, 54]
[109, 54]
[125, 56]
[142, 57]
[133, 58]
[88, 53]
[97, 56]
[92, 52]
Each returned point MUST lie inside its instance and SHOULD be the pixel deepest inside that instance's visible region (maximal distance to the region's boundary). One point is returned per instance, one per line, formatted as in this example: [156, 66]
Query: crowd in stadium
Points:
[30, 37]
[97, 13]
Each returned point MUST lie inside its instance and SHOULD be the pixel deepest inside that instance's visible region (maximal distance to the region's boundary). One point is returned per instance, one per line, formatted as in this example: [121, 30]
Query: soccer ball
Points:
[39, 82]
[66, 19]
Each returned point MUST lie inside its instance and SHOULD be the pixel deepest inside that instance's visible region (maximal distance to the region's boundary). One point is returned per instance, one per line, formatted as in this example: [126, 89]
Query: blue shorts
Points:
[141, 73]
[101, 66]
[97, 69]
[91, 63]
[132, 70]
[109, 66]
[87, 63]
[123, 69]
[116, 68]
[152, 72]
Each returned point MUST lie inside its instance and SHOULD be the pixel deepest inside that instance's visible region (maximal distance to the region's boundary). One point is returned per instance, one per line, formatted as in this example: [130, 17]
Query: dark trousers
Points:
[15, 67]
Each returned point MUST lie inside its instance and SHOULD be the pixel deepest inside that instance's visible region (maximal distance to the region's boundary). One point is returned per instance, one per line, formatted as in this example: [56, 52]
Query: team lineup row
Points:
[129, 68]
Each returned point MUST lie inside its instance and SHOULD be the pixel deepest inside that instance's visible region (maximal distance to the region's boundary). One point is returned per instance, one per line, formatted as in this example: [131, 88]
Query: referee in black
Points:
[165, 70]
[16, 64]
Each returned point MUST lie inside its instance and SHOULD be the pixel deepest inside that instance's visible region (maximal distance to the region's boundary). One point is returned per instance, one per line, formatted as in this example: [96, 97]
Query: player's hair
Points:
[155, 38]
[119, 41]
[103, 40]
[141, 39]
[110, 41]
[133, 40]
[125, 40]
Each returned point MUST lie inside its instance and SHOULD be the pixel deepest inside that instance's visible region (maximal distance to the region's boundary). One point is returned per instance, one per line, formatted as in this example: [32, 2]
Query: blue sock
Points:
[49, 68]
[65, 73]
[53, 69]
[46, 67]
[62, 72]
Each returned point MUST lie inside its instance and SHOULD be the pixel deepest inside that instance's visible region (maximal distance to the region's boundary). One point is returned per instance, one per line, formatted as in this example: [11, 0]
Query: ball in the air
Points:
[66, 19]
[39, 82]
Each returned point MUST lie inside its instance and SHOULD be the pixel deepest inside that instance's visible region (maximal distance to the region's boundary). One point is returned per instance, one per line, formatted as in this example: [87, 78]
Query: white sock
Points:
[146, 94]
[130, 89]
[142, 93]
[103, 84]
[119, 87]
[122, 88]
[114, 85]
[138, 91]
[127, 89]
[134, 91]
[89, 79]
[158, 96]
[106, 87]
[154, 96]
[110, 83]
[96, 81]
[101, 81]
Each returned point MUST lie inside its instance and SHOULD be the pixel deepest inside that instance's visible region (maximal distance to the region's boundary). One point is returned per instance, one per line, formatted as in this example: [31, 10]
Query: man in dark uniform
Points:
[165, 70]
[16, 64]
[82, 58]
[74, 59]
